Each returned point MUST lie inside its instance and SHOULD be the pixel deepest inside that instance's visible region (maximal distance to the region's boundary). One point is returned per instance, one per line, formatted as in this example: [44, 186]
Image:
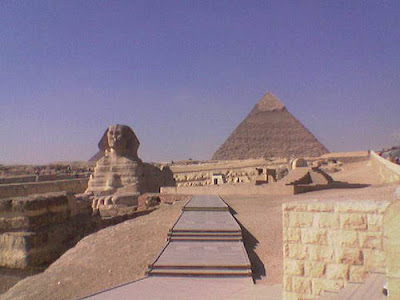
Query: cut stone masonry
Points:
[327, 245]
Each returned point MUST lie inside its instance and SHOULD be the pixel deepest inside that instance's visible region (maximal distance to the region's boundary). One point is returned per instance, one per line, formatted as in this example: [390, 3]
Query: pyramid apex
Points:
[269, 102]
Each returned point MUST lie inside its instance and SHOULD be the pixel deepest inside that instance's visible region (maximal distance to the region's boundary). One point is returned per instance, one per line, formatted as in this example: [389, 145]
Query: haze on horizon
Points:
[184, 74]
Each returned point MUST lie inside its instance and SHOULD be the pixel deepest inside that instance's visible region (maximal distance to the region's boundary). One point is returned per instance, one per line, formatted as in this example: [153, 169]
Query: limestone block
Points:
[326, 220]
[285, 220]
[337, 271]
[54, 201]
[374, 260]
[375, 222]
[394, 288]
[339, 238]
[320, 253]
[12, 223]
[287, 283]
[301, 285]
[357, 274]
[361, 207]
[320, 285]
[314, 236]
[320, 207]
[353, 221]
[285, 250]
[295, 207]
[350, 256]
[24, 241]
[290, 296]
[290, 235]
[32, 222]
[392, 241]
[293, 267]
[297, 251]
[13, 259]
[373, 240]
[300, 219]
[314, 269]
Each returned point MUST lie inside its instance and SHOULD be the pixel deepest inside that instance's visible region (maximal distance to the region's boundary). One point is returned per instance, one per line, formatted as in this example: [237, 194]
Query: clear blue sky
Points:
[183, 74]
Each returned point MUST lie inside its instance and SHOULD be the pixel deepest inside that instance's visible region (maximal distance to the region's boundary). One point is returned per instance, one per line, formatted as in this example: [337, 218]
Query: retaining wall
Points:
[328, 244]
[232, 189]
[36, 230]
[25, 189]
[388, 171]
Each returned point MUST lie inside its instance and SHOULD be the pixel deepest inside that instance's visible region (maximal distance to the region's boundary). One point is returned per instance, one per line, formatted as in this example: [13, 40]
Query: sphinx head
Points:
[121, 140]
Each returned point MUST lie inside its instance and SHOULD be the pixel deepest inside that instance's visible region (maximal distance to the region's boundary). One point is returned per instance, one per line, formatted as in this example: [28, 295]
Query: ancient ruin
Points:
[117, 177]
[269, 131]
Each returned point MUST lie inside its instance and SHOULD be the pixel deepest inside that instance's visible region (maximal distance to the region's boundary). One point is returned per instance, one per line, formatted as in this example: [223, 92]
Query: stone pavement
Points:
[204, 258]
[191, 288]
[206, 240]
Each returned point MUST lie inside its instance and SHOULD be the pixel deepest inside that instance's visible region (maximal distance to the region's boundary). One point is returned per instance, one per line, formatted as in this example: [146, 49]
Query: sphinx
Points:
[117, 177]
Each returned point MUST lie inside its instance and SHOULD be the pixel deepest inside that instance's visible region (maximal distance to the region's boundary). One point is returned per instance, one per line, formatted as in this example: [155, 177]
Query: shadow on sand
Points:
[250, 243]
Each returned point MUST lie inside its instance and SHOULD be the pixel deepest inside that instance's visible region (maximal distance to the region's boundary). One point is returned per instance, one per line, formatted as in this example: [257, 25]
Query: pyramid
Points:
[269, 131]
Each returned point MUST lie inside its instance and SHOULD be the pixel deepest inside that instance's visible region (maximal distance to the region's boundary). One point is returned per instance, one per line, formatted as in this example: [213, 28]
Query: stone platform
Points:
[206, 225]
[205, 241]
[205, 203]
[204, 258]
[191, 288]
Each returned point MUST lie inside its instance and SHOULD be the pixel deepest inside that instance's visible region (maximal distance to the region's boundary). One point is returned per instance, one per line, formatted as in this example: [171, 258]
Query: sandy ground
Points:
[121, 253]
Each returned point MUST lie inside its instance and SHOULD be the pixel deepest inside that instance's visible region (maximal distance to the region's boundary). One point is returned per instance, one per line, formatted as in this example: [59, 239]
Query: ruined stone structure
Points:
[247, 171]
[35, 230]
[269, 131]
[118, 174]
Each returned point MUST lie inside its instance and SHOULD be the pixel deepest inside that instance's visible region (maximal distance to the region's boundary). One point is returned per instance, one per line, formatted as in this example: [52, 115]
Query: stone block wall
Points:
[327, 244]
[36, 230]
[24, 189]
[389, 172]
[392, 248]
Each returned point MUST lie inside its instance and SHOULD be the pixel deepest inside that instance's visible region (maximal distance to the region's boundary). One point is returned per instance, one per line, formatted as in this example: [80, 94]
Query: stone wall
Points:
[274, 188]
[25, 189]
[392, 248]
[36, 230]
[327, 244]
[36, 178]
[201, 174]
[388, 171]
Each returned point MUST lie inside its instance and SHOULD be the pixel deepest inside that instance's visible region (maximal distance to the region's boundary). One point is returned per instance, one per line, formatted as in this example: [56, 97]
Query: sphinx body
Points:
[117, 176]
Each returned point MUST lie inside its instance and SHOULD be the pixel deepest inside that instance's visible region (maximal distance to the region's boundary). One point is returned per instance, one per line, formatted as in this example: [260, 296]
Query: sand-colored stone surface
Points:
[359, 172]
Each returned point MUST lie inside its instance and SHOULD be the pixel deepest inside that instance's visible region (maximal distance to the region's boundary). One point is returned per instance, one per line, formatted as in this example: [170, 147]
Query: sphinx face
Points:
[117, 138]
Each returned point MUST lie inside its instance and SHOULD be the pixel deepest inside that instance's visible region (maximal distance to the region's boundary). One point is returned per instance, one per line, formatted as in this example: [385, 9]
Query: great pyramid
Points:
[269, 131]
